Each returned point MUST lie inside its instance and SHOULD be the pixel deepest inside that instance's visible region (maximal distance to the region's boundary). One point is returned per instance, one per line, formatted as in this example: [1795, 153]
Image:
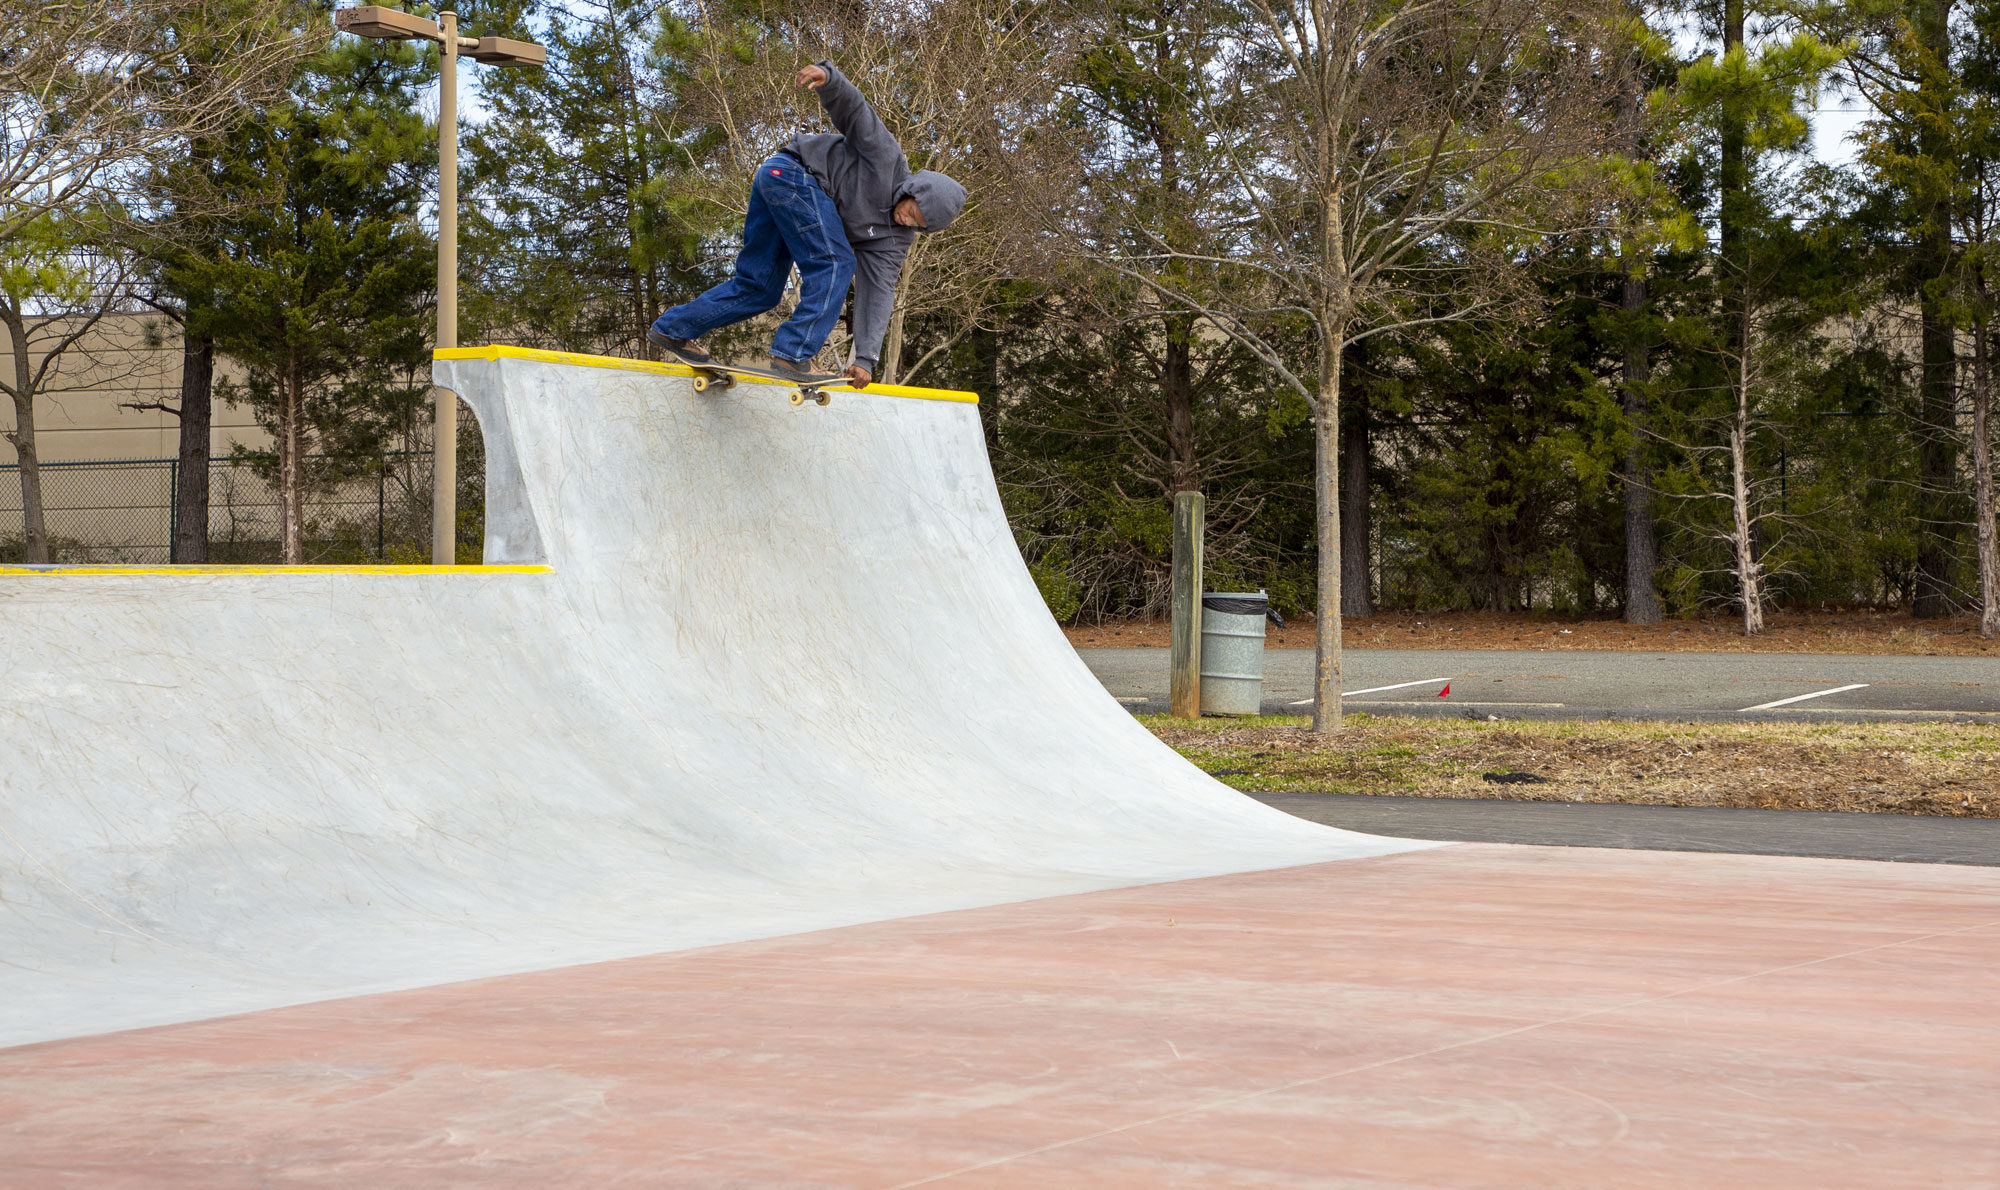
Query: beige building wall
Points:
[126, 358]
[116, 511]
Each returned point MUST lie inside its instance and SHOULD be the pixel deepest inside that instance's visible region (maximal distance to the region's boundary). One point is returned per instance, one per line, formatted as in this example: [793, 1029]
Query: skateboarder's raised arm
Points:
[875, 277]
[881, 204]
[866, 134]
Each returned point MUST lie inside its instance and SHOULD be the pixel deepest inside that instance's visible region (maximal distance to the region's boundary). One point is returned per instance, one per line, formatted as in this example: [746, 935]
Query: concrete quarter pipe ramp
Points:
[734, 669]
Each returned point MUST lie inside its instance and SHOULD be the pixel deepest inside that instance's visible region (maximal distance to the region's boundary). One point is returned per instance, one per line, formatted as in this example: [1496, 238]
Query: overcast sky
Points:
[1837, 119]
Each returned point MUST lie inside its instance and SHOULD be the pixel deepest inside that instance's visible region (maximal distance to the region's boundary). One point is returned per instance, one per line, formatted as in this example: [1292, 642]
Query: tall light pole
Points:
[389, 24]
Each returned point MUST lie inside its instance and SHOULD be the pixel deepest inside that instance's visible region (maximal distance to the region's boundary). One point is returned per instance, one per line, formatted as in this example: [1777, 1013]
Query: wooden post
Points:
[1186, 609]
[444, 450]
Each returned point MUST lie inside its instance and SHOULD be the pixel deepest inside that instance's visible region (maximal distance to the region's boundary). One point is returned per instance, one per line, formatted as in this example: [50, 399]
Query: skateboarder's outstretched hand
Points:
[859, 376]
[811, 76]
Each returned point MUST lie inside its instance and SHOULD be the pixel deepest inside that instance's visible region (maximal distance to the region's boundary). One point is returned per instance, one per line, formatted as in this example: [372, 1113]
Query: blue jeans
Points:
[790, 221]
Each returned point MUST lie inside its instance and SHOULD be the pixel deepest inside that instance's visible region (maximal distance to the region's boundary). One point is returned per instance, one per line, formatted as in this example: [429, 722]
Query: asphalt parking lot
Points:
[1895, 838]
[1603, 685]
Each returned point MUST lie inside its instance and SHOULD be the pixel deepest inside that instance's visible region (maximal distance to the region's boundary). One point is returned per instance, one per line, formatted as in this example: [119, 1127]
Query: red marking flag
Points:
[1445, 691]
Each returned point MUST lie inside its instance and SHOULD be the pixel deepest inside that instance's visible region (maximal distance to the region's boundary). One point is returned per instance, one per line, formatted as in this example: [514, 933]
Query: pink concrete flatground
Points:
[1475, 1016]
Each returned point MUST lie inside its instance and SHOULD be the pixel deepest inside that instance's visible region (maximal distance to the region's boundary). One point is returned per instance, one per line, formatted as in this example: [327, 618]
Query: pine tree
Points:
[178, 205]
[1933, 154]
[573, 237]
[1751, 96]
[319, 271]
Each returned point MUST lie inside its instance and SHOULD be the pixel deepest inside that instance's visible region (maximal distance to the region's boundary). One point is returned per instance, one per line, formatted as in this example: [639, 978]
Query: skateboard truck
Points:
[719, 376]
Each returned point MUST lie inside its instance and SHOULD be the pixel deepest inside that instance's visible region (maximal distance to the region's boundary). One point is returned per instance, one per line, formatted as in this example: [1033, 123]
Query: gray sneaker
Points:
[792, 370]
[687, 351]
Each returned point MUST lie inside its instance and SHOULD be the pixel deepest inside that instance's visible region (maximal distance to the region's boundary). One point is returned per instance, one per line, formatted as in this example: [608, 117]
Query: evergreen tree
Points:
[1650, 219]
[1501, 496]
[1145, 378]
[319, 273]
[1904, 61]
[574, 236]
[1749, 95]
[179, 203]
[1933, 70]
[1085, 453]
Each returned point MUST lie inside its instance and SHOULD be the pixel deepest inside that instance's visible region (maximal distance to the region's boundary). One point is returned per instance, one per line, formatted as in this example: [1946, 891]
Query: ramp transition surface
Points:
[734, 670]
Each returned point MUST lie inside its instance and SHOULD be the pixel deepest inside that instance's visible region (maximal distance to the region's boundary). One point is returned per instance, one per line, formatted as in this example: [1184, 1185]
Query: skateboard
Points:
[717, 375]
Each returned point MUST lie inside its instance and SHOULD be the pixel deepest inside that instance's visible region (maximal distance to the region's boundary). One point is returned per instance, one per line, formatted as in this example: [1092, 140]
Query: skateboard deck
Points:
[720, 375]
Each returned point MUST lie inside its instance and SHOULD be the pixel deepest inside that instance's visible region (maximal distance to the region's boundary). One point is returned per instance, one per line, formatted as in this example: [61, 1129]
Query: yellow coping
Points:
[199, 571]
[497, 352]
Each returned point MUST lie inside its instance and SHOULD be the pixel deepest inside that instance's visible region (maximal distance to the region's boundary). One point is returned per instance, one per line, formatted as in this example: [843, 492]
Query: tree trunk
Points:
[1336, 309]
[1985, 510]
[645, 291]
[1749, 579]
[197, 407]
[1326, 507]
[34, 523]
[1937, 465]
[986, 350]
[1748, 585]
[1501, 580]
[1734, 183]
[892, 343]
[291, 486]
[1938, 510]
[1642, 546]
[1357, 596]
[1734, 178]
[1177, 394]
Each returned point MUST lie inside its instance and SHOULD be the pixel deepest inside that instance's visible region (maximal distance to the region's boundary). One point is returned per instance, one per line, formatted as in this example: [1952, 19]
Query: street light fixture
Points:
[389, 24]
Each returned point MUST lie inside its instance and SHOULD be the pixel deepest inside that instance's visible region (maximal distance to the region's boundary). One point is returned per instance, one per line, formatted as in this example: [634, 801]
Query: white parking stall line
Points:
[1379, 689]
[1766, 706]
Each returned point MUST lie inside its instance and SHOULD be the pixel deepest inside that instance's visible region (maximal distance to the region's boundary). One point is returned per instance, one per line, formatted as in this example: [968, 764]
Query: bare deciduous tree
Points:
[1374, 148]
[92, 92]
[53, 295]
[1152, 175]
[950, 79]
[95, 97]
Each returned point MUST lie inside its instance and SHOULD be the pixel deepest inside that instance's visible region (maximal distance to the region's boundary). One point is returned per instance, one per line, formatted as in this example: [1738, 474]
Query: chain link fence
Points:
[121, 511]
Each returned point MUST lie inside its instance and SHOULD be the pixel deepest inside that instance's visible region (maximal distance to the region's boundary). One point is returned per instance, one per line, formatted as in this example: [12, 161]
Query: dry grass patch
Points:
[1787, 632]
[1904, 768]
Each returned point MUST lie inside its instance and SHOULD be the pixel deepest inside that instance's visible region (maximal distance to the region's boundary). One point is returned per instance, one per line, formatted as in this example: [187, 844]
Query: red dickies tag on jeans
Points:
[777, 173]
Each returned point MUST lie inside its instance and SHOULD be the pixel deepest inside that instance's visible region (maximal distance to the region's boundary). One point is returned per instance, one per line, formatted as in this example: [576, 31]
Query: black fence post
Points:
[173, 511]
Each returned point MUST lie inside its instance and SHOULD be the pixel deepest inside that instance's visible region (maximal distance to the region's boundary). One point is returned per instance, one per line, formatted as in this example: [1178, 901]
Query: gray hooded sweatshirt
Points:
[863, 170]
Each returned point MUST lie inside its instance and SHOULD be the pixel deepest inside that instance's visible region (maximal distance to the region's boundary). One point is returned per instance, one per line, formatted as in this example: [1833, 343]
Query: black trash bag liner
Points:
[1233, 605]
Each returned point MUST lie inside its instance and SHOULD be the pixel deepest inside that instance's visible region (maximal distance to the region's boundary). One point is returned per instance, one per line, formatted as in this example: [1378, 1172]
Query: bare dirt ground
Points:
[1787, 632]
[1917, 768]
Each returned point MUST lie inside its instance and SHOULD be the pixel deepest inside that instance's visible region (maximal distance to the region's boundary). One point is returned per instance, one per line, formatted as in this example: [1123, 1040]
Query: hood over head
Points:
[938, 197]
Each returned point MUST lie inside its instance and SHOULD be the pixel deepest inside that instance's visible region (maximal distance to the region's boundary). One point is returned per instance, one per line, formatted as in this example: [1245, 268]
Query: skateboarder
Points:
[843, 207]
